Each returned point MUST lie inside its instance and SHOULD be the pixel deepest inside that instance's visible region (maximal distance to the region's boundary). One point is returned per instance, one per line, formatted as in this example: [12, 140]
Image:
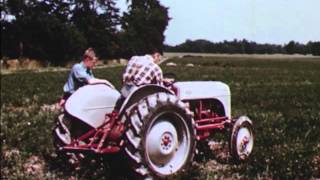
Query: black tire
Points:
[242, 139]
[160, 136]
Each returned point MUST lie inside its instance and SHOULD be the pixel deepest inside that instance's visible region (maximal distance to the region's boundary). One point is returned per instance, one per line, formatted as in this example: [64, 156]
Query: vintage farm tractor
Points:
[157, 127]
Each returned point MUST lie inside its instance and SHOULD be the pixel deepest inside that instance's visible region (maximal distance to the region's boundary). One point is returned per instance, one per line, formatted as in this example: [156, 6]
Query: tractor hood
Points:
[201, 89]
[91, 103]
[193, 90]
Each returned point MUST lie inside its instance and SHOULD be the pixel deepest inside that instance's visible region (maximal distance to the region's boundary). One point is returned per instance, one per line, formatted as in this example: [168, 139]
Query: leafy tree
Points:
[314, 48]
[295, 47]
[247, 47]
[143, 27]
[9, 44]
[97, 20]
[234, 46]
[290, 47]
[41, 30]
[59, 31]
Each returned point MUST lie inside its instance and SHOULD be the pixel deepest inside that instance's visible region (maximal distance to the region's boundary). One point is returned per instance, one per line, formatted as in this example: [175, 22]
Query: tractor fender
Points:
[141, 92]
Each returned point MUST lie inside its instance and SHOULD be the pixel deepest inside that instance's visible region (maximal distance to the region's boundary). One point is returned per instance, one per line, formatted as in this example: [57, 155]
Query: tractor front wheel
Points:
[61, 133]
[242, 139]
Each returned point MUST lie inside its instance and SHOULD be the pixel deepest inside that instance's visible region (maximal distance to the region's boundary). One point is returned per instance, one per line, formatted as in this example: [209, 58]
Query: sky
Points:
[262, 21]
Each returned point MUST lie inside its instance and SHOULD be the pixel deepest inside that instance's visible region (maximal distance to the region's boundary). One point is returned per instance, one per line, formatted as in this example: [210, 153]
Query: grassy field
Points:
[280, 95]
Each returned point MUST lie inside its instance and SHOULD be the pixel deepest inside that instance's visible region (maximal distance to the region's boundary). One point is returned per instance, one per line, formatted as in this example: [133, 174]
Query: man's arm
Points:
[81, 75]
[96, 81]
[158, 74]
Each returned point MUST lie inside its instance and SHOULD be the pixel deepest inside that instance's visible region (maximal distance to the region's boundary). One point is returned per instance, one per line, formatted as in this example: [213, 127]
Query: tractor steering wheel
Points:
[169, 79]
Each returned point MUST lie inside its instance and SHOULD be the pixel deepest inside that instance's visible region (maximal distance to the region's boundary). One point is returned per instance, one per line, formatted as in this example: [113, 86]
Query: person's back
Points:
[141, 70]
[78, 77]
[81, 74]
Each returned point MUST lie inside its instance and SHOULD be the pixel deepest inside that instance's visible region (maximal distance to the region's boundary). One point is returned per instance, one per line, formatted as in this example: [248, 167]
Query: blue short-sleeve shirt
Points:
[79, 76]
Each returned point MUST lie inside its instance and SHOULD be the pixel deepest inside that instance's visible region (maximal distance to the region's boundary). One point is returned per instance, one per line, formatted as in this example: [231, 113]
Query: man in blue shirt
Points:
[81, 74]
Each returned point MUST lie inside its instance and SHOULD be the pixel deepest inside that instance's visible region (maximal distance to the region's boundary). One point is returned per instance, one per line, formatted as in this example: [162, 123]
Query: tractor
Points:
[156, 127]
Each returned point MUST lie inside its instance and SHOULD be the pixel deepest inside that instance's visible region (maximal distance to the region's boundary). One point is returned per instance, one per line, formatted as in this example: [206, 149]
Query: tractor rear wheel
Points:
[160, 136]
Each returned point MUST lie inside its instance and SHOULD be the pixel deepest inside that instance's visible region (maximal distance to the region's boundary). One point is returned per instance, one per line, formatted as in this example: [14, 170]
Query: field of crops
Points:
[281, 96]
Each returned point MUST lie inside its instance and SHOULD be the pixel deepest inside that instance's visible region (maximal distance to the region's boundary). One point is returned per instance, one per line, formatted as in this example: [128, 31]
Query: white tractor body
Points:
[195, 90]
[91, 103]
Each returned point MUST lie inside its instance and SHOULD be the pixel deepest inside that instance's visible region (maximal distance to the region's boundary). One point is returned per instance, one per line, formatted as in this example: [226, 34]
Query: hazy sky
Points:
[263, 21]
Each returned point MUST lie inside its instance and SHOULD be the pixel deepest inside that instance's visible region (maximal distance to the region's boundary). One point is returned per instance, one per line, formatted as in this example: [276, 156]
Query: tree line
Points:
[245, 47]
[58, 31]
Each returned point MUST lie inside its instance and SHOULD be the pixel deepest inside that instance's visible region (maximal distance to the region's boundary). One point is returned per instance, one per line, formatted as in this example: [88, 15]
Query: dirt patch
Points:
[316, 166]
[51, 107]
[17, 64]
[34, 166]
